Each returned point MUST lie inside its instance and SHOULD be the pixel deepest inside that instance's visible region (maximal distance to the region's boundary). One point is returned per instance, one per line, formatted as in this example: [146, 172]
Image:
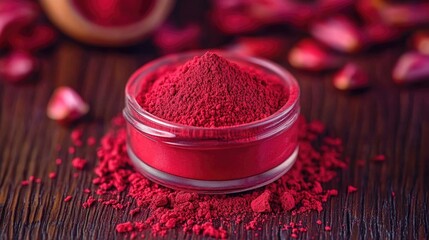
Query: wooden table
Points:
[386, 119]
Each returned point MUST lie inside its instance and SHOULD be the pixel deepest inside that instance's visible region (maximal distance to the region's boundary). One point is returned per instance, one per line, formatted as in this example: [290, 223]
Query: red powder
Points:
[351, 189]
[89, 202]
[52, 175]
[67, 199]
[298, 191]
[25, 183]
[319, 222]
[210, 91]
[58, 161]
[76, 137]
[79, 163]
[114, 12]
[327, 228]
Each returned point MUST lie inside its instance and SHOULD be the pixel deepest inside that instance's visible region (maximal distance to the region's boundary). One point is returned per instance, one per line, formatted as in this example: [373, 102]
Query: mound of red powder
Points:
[210, 91]
[298, 191]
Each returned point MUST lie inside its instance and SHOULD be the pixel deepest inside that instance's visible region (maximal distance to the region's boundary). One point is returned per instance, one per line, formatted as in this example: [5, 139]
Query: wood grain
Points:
[386, 119]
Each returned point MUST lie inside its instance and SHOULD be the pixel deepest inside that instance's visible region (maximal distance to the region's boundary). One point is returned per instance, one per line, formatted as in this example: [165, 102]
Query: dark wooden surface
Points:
[386, 119]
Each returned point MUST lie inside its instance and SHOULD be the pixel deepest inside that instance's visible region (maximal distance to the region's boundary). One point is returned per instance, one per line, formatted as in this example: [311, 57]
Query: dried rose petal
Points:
[15, 15]
[380, 33]
[410, 14]
[235, 23]
[35, 38]
[420, 42]
[66, 105]
[266, 47]
[171, 39]
[350, 77]
[309, 55]
[17, 66]
[411, 67]
[338, 32]
[369, 10]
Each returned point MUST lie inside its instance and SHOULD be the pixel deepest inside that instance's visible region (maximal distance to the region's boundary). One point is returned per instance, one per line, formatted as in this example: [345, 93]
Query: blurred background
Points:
[307, 35]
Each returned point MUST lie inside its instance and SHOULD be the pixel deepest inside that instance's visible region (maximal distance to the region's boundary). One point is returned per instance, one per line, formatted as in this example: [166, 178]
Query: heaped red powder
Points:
[300, 190]
[113, 13]
[210, 91]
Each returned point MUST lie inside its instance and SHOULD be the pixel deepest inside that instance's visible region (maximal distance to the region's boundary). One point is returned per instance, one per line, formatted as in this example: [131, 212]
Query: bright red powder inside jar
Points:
[113, 13]
[300, 190]
[210, 91]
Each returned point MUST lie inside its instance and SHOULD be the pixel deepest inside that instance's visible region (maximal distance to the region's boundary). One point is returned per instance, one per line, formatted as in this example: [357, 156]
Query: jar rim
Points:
[290, 83]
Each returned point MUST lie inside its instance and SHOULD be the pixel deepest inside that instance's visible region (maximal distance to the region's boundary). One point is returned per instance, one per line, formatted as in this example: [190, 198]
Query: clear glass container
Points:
[212, 160]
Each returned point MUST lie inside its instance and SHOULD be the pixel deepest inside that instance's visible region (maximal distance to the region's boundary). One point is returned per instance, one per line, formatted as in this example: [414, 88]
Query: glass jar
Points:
[212, 160]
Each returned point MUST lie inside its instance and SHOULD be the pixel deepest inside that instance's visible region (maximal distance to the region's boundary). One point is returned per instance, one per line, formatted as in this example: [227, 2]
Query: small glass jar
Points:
[212, 160]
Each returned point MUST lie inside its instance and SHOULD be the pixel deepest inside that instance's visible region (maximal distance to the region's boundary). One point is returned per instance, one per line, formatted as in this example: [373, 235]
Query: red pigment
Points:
[210, 91]
[79, 163]
[52, 175]
[351, 189]
[299, 191]
[67, 199]
[113, 13]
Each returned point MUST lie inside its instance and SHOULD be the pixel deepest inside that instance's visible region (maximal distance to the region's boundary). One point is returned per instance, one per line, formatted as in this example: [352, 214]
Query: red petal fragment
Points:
[269, 47]
[172, 39]
[350, 77]
[35, 38]
[411, 67]
[420, 42]
[235, 22]
[338, 32]
[380, 33]
[17, 66]
[405, 15]
[15, 15]
[66, 105]
[309, 55]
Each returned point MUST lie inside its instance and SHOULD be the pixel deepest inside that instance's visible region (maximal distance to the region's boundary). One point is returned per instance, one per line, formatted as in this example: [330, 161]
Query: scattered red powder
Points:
[31, 178]
[299, 191]
[72, 150]
[210, 91]
[87, 190]
[319, 222]
[393, 194]
[351, 189]
[91, 141]
[67, 199]
[327, 228]
[89, 202]
[58, 161]
[76, 137]
[379, 158]
[25, 183]
[333, 192]
[38, 180]
[79, 163]
[52, 175]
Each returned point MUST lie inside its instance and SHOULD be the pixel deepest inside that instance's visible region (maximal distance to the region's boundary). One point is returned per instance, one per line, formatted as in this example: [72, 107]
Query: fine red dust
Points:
[298, 191]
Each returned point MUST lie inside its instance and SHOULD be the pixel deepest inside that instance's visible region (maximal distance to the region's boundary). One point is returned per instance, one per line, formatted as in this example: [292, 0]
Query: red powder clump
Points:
[262, 202]
[298, 191]
[79, 163]
[210, 91]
